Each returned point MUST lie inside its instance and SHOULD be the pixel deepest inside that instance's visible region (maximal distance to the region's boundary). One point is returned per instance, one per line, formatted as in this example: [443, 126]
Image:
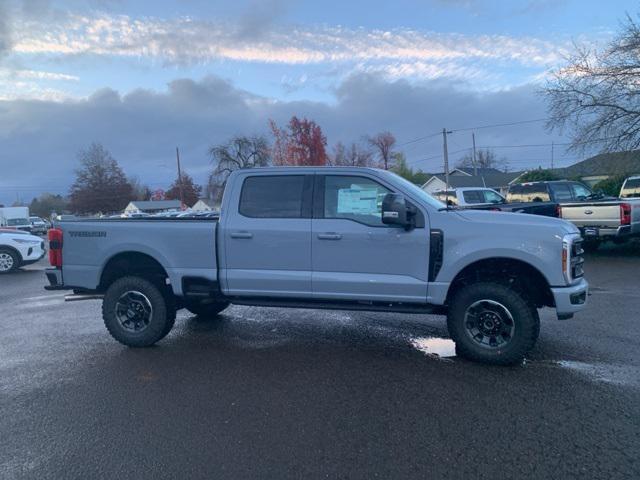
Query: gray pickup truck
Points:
[331, 238]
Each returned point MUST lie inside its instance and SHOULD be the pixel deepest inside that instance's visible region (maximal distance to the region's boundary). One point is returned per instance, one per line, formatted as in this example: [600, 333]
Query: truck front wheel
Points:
[136, 313]
[492, 323]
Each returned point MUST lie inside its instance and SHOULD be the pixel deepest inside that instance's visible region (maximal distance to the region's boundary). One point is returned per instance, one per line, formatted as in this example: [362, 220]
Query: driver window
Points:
[580, 191]
[354, 198]
[492, 197]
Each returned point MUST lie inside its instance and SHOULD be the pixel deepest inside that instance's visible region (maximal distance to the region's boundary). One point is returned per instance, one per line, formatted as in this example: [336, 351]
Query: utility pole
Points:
[446, 157]
[475, 161]
[552, 155]
[180, 178]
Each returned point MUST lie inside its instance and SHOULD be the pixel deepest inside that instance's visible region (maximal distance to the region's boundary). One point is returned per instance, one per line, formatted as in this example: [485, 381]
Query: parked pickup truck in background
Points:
[608, 219]
[469, 196]
[334, 238]
[630, 188]
[488, 199]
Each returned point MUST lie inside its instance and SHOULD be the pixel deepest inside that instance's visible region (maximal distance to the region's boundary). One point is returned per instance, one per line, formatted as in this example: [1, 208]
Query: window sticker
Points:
[359, 201]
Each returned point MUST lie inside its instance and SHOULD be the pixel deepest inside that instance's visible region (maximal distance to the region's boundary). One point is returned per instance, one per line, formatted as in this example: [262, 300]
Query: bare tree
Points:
[100, 185]
[353, 156]
[383, 143]
[596, 97]
[239, 152]
[485, 158]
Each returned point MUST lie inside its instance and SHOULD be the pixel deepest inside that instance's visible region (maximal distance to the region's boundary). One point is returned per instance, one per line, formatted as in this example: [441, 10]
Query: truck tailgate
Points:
[606, 214]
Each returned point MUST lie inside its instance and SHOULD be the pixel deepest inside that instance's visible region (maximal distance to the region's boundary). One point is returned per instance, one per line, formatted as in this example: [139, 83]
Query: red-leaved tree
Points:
[300, 143]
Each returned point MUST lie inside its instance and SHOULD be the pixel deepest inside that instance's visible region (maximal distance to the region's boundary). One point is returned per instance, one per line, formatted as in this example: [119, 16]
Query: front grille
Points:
[577, 259]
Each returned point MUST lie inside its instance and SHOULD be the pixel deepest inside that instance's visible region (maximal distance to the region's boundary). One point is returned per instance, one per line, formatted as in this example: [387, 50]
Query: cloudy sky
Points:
[144, 77]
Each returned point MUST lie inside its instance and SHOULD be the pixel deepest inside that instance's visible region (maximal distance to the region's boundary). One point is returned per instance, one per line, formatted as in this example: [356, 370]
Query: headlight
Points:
[572, 261]
[26, 241]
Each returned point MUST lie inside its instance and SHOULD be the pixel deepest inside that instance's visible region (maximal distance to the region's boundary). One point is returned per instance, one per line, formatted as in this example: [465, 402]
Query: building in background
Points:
[153, 206]
[206, 205]
[602, 166]
[497, 180]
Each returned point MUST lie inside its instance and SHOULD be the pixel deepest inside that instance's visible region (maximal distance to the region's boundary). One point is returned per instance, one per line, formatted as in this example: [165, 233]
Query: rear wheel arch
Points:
[514, 273]
[132, 263]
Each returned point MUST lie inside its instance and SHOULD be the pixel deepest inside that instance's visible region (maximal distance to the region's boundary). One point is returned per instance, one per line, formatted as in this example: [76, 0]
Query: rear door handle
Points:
[329, 236]
[241, 235]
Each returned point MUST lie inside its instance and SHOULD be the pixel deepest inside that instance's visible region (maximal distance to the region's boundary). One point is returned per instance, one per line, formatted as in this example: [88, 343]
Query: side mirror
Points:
[394, 210]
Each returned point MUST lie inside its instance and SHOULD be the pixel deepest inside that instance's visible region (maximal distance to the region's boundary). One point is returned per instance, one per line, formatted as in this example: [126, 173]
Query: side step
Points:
[341, 305]
[77, 297]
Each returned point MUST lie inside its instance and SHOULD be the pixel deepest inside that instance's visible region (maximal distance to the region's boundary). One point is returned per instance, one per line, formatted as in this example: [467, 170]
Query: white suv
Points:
[18, 248]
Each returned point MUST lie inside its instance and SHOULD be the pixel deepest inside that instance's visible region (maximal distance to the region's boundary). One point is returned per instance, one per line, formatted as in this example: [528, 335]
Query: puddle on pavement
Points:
[606, 373]
[435, 346]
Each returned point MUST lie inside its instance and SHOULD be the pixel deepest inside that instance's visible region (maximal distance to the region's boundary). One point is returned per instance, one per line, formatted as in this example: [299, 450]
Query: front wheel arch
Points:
[516, 274]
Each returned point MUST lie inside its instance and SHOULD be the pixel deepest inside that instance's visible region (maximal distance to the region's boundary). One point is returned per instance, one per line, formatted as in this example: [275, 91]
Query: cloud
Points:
[39, 139]
[186, 40]
[5, 31]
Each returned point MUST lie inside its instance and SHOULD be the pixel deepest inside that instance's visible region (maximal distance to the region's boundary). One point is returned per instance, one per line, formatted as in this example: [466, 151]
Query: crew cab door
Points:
[266, 244]
[354, 255]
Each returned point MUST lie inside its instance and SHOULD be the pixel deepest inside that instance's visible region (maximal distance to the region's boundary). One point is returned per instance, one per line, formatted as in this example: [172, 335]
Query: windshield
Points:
[12, 222]
[417, 191]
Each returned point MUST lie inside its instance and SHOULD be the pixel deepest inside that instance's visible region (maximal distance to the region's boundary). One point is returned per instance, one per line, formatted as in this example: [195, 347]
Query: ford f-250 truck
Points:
[615, 219]
[334, 238]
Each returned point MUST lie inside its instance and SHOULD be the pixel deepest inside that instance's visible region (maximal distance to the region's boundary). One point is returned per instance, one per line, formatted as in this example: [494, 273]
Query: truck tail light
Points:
[558, 211]
[625, 214]
[55, 247]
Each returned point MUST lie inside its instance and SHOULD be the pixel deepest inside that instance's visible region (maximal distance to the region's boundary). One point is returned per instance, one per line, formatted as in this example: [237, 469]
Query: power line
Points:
[420, 139]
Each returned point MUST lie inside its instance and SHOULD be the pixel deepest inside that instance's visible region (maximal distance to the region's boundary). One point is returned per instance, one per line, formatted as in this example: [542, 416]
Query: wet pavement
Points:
[279, 393]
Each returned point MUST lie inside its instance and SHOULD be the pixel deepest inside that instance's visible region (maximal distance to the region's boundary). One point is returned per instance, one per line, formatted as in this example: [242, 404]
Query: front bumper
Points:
[571, 299]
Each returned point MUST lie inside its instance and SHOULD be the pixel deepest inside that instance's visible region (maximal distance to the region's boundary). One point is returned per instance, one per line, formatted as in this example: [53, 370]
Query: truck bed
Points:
[183, 246]
[603, 218]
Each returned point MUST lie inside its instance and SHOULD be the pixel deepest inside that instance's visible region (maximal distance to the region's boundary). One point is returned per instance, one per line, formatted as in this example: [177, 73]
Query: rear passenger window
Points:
[473, 196]
[528, 192]
[272, 196]
[562, 192]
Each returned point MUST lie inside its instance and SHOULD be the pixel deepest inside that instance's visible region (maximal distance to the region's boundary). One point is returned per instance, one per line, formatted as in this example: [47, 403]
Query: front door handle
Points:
[241, 235]
[329, 236]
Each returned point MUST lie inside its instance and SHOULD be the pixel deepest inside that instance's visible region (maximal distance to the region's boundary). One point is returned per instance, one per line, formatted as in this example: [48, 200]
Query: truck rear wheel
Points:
[207, 309]
[492, 323]
[136, 313]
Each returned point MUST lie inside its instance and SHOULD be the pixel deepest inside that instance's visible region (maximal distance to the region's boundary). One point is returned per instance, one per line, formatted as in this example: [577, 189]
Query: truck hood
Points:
[517, 219]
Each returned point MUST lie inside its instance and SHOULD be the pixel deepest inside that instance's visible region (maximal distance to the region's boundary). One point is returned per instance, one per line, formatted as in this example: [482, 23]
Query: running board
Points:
[77, 297]
[338, 305]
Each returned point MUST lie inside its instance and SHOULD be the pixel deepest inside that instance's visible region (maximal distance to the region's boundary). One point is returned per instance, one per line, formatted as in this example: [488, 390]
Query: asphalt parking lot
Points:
[276, 393]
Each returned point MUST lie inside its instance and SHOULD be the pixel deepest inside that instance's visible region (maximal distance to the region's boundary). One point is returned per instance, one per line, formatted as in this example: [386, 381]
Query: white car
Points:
[18, 249]
[468, 196]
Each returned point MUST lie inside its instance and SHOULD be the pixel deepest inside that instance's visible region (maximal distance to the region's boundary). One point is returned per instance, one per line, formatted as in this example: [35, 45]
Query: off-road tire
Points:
[525, 320]
[161, 320]
[14, 258]
[207, 310]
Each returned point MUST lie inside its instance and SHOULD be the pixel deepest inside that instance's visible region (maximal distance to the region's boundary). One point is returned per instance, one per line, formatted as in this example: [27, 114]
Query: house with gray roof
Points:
[153, 206]
[499, 181]
[602, 166]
